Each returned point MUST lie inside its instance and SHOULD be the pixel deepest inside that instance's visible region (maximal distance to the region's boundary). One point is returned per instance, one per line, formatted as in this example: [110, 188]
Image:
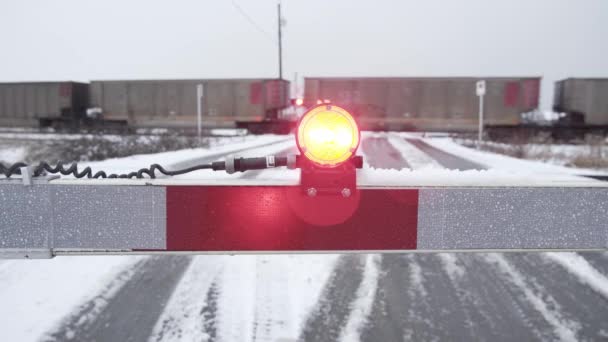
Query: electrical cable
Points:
[14, 169]
[230, 165]
[252, 22]
[87, 172]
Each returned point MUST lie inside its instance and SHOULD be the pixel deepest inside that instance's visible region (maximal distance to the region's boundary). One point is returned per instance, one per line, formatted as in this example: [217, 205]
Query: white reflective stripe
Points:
[270, 161]
[45, 216]
[512, 218]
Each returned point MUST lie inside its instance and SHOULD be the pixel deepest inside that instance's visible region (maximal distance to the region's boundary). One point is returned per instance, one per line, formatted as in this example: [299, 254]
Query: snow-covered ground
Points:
[271, 297]
[557, 154]
[11, 154]
[35, 295]
[501, 162]
[27, 134]
[133, 163]
[35, 146]
[276, 292]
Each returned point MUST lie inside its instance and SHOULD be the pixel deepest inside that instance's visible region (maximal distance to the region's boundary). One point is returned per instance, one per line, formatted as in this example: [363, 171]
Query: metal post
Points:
[280, 43]
[199, 111]
[480, 90]
[480, 135]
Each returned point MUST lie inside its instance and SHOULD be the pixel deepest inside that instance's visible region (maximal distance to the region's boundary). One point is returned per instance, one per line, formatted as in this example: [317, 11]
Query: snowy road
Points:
[134, 309]
[447, 160]
[390, 297]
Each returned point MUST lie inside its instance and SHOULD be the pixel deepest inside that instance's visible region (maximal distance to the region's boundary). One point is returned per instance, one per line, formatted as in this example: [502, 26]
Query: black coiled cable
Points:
[87, 172]
[12, 169]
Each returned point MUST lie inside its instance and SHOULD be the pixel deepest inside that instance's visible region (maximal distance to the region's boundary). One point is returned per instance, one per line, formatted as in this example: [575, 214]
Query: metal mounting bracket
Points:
[26, 175]
[341, 180]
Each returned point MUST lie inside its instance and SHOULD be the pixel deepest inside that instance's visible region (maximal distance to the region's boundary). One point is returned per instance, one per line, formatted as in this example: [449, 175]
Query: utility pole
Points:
[280, 43]
[199, 112]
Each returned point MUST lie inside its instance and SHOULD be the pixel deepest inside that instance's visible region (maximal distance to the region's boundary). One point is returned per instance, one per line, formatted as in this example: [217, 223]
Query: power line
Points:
[252, 22]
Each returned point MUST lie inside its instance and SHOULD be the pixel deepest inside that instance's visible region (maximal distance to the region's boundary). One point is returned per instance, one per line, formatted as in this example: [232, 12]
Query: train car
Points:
[585, 100]
[173, 103]
[42, 104]
[426, 103]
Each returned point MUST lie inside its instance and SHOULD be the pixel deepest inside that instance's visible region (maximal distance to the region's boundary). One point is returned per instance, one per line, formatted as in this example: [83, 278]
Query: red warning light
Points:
[327, 135]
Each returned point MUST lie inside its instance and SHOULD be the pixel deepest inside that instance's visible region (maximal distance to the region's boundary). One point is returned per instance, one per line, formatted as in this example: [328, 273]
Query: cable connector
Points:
[240, 164]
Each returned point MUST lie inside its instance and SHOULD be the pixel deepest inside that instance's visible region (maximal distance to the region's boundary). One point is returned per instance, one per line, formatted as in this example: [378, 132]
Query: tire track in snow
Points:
[563, 328]
[380, 153]
[209, 313]
[365, 297]
[414, 156]
[190, 312]
[236, 299]
[599, 260]
[431, 297]
[447, 160]
[568, 295]
[582, 269]
[271, 317]
[88, 312]
[131, 313]
[396, 313]
[331, 314]
[455, 272]
[498, 308]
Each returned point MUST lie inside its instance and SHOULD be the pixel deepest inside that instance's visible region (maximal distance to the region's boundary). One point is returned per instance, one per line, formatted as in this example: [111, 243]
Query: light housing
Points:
[327, 135]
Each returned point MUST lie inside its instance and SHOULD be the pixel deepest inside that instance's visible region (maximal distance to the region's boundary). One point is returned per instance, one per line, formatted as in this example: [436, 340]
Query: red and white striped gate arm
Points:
[80, 217]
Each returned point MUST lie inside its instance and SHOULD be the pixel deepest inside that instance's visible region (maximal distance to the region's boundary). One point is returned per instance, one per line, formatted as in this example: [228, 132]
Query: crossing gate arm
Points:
[164, 216]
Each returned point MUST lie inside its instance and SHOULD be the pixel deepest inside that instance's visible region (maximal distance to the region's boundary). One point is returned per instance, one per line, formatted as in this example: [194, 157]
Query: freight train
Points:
[446, 104]
[586, 99]
[428, 104]
[450, 104]
[253, 104]
[41, 104]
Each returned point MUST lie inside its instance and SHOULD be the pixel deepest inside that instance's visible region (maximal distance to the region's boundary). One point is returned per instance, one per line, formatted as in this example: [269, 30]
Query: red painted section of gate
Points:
[245, 218]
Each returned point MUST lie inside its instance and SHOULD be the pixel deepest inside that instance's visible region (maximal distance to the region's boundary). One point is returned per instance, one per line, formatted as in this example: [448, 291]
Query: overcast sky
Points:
[119, 39]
